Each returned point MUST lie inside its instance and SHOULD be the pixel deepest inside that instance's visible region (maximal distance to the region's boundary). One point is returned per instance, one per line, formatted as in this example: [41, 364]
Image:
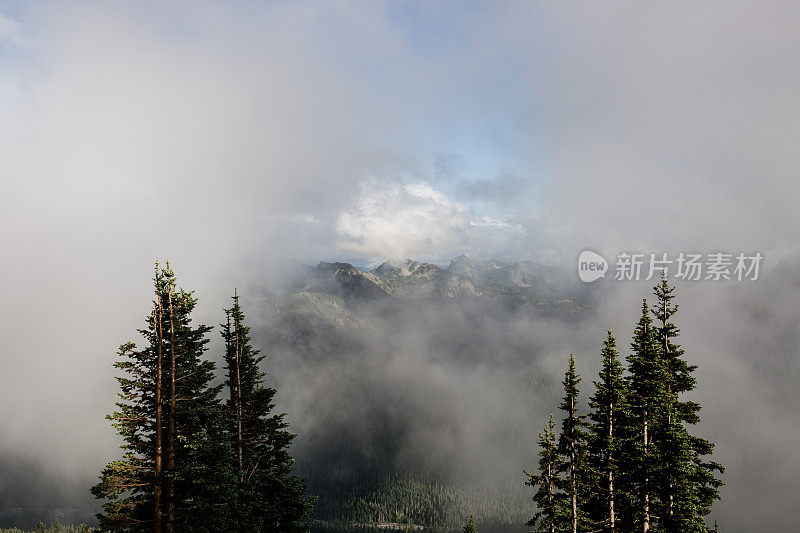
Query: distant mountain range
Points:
[383, 356]
[329, 286]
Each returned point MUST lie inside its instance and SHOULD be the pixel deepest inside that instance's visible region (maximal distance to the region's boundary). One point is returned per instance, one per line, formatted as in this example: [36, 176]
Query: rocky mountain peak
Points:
[393, 269]
[523, 281]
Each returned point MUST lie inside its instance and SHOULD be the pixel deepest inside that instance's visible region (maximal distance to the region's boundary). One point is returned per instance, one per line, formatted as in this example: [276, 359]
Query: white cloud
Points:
[207, 133]
[392, 220]
[489, 222]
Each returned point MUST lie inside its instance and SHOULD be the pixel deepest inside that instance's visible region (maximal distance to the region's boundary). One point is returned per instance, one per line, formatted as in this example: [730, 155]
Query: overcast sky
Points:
[223, 135]
[375, 130]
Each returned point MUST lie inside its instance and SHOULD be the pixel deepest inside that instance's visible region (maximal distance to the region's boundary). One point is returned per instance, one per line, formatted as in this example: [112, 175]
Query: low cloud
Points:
[401, 220]
[222, 135]
[506, 189]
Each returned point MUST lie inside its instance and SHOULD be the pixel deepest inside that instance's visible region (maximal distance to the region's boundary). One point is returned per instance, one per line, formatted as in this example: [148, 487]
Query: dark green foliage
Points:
[689, 483]
[213, 478]
[549, 497]
[470, 527]
[181, 468]
[268, 496]
[608, 416]
[572, 450]
[129, 484]
[678, 373]
[638, 437]
[647, 402]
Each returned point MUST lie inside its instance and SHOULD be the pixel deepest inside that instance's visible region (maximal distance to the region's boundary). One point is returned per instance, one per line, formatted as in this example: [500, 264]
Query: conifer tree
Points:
[548, 497]
[640, 467]
[608, 415]
[647, 404]
[689, 484]
[572, 450]
[271, 498]
[166, 415]
[470, 527]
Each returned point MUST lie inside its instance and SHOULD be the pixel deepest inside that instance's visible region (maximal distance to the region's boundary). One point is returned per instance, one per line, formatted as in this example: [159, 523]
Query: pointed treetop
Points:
[571, 381]
[644, 325]
[571, 376]
[664, 293]
[470, 527]
[609, 349]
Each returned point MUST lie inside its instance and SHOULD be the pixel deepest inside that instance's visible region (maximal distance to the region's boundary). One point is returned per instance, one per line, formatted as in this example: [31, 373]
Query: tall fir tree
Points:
[608, 416]
[647, 402]
[643, 471]
[549, 498]
[270, 497]
[572, 451]
[689, 483]
[169, 419]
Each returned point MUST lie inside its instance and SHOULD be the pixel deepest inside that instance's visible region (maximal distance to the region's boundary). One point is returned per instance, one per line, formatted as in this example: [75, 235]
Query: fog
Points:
[223, 138]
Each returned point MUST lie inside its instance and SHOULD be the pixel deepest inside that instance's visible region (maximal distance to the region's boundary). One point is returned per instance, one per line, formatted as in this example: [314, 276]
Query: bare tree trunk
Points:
[646, 517]
[171, 431]
[157, 481]
[611, 518]
[239, 439]
[671, 506]
[550, 492]
[574, 498]
[231, 367]
[573, 474]
[646, 510]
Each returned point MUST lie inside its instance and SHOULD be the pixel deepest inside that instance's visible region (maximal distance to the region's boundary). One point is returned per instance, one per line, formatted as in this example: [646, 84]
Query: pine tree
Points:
[609, 412]
[470, 527]
[270, 498]
[639, 466]
[572, 450]
[548, 497]
[166, 415]
[688, 483]
[647, 401]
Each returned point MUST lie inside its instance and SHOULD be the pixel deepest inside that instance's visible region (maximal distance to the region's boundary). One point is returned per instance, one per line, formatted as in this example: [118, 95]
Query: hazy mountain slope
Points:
[409, 279]
[524, 276]
[541, 288]
[411, 383]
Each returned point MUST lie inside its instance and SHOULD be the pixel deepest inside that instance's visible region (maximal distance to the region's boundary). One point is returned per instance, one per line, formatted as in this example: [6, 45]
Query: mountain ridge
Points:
[523, 282]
